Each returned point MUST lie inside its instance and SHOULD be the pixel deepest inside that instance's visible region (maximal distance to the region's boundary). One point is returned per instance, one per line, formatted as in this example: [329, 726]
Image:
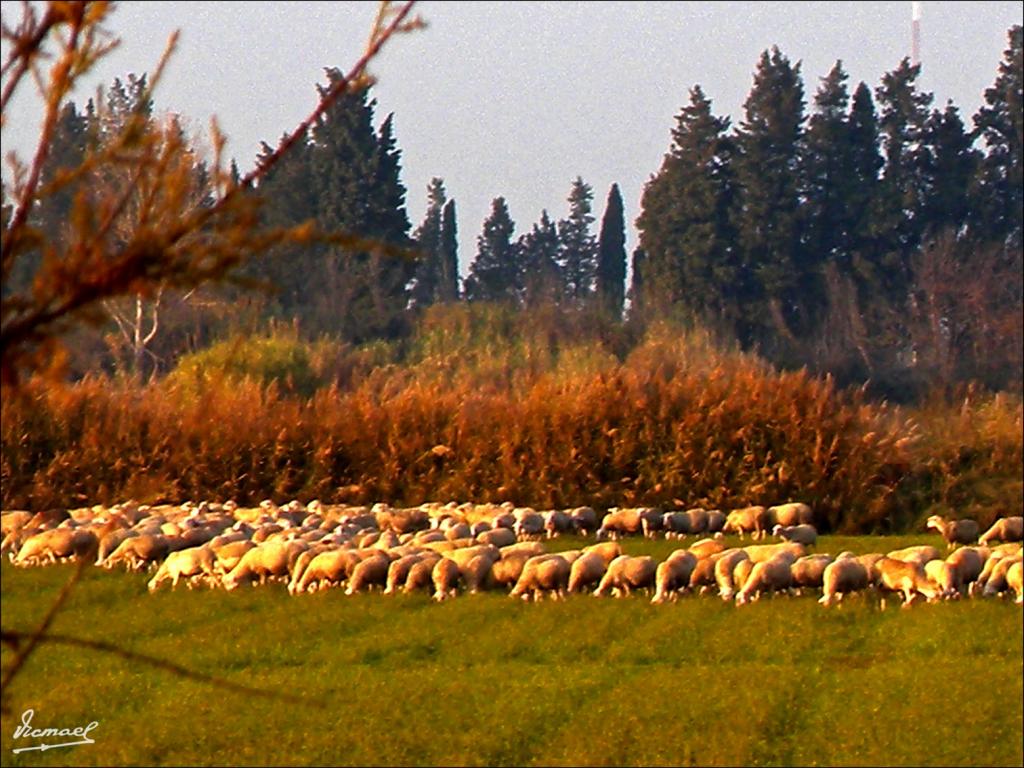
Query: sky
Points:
[517, 99]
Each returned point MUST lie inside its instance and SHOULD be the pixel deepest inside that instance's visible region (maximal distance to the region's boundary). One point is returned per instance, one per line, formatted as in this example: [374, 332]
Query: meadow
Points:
[488, 680]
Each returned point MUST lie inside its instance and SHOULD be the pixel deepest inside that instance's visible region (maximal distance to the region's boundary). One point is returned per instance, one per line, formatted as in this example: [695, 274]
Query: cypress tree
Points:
[952, 166]
[539, 280]
[427, 283]
[448, 289]
[611, 255]
[492, 275]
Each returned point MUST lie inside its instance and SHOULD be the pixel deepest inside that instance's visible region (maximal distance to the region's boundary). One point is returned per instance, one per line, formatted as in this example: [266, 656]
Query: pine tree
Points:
[578, 251]
[492, 275]
[611, 255]
[448, 290]
[684, 225]
[865, 165]
[769, 141]
[952, 167]
[539, 280]
[1000, 121]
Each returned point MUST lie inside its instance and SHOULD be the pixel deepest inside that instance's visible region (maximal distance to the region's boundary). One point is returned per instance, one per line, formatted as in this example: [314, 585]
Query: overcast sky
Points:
[518, 98]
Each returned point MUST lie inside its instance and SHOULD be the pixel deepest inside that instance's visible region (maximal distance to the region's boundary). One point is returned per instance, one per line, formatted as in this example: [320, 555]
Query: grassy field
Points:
[486, 680]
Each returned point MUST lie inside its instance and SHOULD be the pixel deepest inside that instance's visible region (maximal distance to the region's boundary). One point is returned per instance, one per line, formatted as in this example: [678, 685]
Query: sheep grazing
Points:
[1004, 529]
[753, 520]
[804, 533]
[398, 571]
[584, 520]
[446, 575]
[791, 513]
[964, 531]
[1015, 580]
[140, 551]
[55, 544]
[967, 564]
[919, 555]
[843, 576]
[529, 523]
[706, 548]
[185, 563]
[543, 574]
[716, 520]
[809, 572]
[997, 582]
[673, 574]
[945, 577]
[556, 522]
[499, 537]
[608, 550]
[619, 522]
[761, 552]
[368, 573]
[906, 577]
[772, 575]
[586, 570]
[725, 567]
[650, 521]
[421, 575]
[675, 524]
[506, 570]
[626, 573]
[268, 560]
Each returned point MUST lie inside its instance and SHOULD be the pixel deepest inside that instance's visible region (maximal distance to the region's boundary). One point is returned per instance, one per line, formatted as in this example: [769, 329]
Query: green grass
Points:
[486, 680]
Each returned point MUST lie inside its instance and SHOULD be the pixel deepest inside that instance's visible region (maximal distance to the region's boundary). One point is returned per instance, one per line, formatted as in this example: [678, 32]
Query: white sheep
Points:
[753, 520]
[1015, 580]
[626, 573]
[543, 574]
[844, 575]
[673, 574]
[997, 581]
[585, 570]
[804, 533]
[964, 531]
[268, 560]
[1004, 529]
[945, 577]
[919, 555]
[791, 513]
[906, 577]
[707, 547]
[185, 563]
[725, 567]
[446, 575]
[369, 572]
[809, 571]
[772, 575]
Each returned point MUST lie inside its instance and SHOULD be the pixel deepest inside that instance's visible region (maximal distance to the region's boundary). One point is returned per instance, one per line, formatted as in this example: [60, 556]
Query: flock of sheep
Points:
[471, 548]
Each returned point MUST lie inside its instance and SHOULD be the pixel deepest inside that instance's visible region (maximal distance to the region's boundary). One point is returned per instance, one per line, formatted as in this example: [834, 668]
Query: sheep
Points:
[945, 577]
[608, 550]
[1015, 580]
[919, 555]
[110, 541]
[420, 574]
[964, 531]
[266, 560]
[791, 513]
[844, 575]
[331, 570]
[458, 530]
[543, 573]
[586, 570]
[675, 524]
[703, 576]
[967, 564]
[716, 520]
[529, 523]
[556, 522]
[907, 577]
[995, 555]
[55, 544]
[1004, 529]
[773, 575]
[446, 575]
[530, 547]
[398, 571]
[752, 520]
[809, 571]
[673, 574]
[803, 533]
[499, 537]
[619, 522]
[626, 573]
[699, 521]
[997, 582]
[187, 563]
[139, 551]
[725, 565]
[707, 548]
[584, 520]
[506, 570]
[761, 552]
[650, 521]
[369, 572]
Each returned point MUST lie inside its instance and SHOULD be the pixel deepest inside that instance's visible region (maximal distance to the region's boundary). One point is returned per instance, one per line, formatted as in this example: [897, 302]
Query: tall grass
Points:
[478, 410]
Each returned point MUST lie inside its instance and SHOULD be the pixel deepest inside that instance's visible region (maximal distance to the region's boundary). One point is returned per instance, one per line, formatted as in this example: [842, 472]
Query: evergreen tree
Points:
[685, 222]
[611, 255]
[493, 273]
[952, 166]
[769, 141]
[637, 287]
[448, 289]
[539, 279]
[865, 165]
[427, 283]
[1000, 122]
[578, 251]
[903, 125]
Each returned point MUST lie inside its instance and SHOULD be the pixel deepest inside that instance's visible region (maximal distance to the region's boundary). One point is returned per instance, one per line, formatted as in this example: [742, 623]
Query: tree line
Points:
[873, 235]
